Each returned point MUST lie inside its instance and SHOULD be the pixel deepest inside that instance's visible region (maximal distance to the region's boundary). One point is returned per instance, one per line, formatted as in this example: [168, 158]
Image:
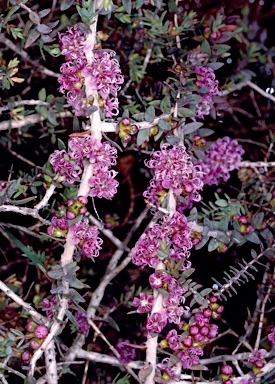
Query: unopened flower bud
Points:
[26, 356]
[30, 326]
[70, 215]
[187, 342]
[82, 199]
[41, 331]
[227, 370]
[243, 220]
[125, 121]
[35, 343]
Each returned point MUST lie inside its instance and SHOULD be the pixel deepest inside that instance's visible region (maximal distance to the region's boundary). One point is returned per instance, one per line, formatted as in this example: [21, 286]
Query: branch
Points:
[32, 119]
[245, 84]
[112, 271]
[51, 366]
[262, 313]
[257, 164]
[24, 211]
[35, 315]
[26, 57]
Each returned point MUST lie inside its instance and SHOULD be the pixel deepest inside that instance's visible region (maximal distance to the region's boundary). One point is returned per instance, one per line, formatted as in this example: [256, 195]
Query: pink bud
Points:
[70, 215]
[26, 356]
[226, 370]
[187, 341]
[41, 331]
[193, 330]
[207, 312]
[35, 343]
[82, 199]
[30, 326]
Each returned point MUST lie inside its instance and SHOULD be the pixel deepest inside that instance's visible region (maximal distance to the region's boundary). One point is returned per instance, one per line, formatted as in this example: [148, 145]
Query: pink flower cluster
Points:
[222, 157]
[174, 170]
[83, 234]
[188, 344]
[166, 241]
[102, 72]
[101, 155]
[86, 236]
[207, 87]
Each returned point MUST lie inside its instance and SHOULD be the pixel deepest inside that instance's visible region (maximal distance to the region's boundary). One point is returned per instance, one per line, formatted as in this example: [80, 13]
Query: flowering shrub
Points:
[146, 189]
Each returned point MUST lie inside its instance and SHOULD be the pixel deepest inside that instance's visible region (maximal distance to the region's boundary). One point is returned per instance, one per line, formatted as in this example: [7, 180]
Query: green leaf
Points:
[205, 291]
[43, 28]
[164, 125]
[252, 237]
[127, 4]
[205, 47]
[52, 118]
[61, 144]
[219, 49]
[66, 4]
[188, 272]
[9, 351]
[150, 114]
[26, 251]
[172, 6]
[11, 12]
[257, 220]
[142, 136]
[165, 105]
[215, 66]
[185, 112]
[42, 94]
[34, 18]
[32, 37]
[204, 132]
[191, 127]
[113, 323]
[213, 244]
[221, 203]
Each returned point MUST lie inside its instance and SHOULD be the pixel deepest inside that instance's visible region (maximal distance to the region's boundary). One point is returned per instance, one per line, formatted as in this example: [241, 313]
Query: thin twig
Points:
[35, 315]
[246, 83]
[26, 56]
[24, 211]
[262, 313]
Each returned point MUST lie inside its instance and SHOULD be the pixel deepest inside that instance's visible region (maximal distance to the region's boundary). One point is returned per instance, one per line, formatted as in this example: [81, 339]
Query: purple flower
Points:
[156, 322]
[103, 184]
[169, 232]
[72, 43]
[65, 166]
[207, 87]
[102, 73]
[169, 368]
[81, 319]
[144, 303]
[173, 340]
[49, 306]
[87, 238]
[271, 336]
[127, 353]
[222, 157]
[190, 356]
[174, 170]
[257, 355]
